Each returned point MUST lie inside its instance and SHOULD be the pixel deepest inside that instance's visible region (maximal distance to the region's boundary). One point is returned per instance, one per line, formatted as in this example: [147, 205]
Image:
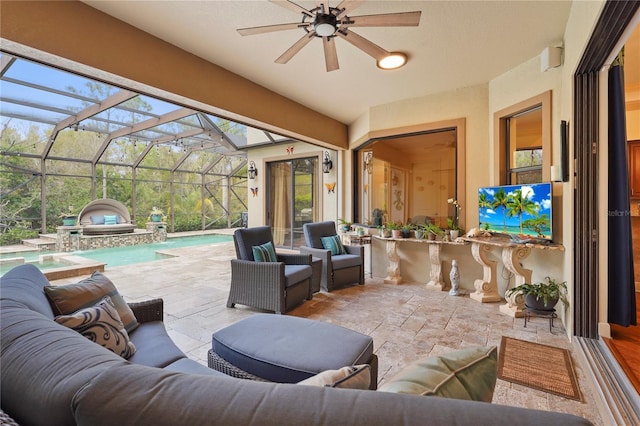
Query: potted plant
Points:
[542, 296]
[395, 228]
[384, 232]
[454, 229]
[156, 215]
[344, 225]
[405, 230]
[377, 215]
[433, 230]
[419, 232]
[68, 217]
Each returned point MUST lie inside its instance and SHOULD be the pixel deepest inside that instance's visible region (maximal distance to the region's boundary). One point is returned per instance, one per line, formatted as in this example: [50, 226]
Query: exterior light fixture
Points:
[252, 171]
[327, 164]
[392, 61]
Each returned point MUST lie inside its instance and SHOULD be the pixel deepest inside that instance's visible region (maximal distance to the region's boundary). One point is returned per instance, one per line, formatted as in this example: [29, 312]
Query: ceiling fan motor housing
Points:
[325, 24]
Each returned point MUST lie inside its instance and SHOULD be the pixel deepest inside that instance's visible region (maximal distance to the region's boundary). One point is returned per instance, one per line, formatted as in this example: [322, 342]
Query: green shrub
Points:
[16, 235]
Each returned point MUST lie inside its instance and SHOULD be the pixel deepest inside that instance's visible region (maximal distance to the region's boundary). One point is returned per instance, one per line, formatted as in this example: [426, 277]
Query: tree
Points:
[500, 199]
[518, 204]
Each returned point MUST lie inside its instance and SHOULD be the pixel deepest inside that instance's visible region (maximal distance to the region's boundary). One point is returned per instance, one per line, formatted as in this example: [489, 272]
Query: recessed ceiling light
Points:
[392, 61]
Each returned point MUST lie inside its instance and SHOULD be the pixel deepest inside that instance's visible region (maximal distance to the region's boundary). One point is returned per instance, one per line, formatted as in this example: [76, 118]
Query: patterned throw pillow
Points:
[264, 253]
[110, 219]
[97, 220]
[353, 377]
[66, 299]
[101, 324]
[333, 244]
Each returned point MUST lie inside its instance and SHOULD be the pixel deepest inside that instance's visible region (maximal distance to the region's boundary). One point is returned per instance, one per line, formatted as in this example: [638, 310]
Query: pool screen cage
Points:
[66, 139]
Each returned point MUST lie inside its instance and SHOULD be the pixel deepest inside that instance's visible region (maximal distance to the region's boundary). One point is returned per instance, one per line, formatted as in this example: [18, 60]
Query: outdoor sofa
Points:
[52, 375]
[105, 216]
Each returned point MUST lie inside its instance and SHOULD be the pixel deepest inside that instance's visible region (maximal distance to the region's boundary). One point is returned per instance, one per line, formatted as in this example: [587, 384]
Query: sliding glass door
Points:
[293, 186]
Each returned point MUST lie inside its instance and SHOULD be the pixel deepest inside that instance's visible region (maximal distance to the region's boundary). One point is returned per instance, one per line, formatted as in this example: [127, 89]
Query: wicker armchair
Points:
[274, 286]
[337, 270]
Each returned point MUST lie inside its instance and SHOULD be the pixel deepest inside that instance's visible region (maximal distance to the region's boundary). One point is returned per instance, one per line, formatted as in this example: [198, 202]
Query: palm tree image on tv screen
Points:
[523, 211]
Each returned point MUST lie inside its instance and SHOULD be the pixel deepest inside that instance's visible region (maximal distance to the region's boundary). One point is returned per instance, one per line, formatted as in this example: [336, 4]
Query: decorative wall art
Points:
[254, 191]
[330, 187]
[290, 150]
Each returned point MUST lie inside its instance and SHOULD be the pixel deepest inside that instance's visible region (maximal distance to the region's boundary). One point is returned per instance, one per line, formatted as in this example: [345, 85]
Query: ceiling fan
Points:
[328, 22]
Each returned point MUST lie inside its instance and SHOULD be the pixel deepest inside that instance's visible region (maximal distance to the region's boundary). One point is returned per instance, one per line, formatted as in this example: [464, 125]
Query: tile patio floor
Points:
[406, 321]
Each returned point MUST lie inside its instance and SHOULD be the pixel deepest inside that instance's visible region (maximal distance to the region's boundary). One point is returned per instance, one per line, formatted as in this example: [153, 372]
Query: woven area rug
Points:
[538, 366]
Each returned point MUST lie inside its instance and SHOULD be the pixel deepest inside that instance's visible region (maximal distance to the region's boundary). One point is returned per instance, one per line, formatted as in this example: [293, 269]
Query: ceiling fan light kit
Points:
[393, 61]
[328, 22]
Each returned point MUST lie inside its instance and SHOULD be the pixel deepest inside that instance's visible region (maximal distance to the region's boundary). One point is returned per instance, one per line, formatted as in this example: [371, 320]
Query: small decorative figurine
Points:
[455, 279]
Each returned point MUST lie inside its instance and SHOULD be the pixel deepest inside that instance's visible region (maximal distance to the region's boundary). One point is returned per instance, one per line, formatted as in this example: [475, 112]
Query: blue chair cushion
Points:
[97, 219]
[333, 244]
[289, 349]
[293, 274]
[264, 253]
[345, 261]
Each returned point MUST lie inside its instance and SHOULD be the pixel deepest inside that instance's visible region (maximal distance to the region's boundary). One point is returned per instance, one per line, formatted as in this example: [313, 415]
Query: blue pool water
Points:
[119, 256]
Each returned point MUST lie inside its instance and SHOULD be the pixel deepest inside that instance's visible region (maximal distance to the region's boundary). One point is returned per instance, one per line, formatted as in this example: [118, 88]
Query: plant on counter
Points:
[433, 230]
[344, 225]
[68, 214]
[546, 294]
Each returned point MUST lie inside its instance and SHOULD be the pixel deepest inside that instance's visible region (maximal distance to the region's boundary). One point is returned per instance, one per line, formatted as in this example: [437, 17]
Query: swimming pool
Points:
[117, 256]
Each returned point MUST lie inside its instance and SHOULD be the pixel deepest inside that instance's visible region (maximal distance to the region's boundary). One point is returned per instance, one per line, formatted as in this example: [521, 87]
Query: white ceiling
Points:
[457, 44]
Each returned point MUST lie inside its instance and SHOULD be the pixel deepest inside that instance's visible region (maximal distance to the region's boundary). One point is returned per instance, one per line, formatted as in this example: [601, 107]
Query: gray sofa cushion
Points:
[186, 365]
[138, 395]
[43, 366]
[154, 347]
[290, 349]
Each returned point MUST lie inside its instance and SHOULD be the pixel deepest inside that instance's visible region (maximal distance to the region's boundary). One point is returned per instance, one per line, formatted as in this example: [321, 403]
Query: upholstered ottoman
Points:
[287, 349]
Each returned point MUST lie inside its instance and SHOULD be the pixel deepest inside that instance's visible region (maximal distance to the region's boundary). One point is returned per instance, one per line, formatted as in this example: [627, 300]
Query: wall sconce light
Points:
[327, 164]
[252, 171]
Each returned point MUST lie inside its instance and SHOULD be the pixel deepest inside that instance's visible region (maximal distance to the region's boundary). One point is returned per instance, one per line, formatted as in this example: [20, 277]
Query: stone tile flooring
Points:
[406, 321]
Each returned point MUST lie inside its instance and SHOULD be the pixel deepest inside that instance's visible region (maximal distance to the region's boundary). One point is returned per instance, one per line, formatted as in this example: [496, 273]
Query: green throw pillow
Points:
[333, 244]
[464, 374]
[264, 253]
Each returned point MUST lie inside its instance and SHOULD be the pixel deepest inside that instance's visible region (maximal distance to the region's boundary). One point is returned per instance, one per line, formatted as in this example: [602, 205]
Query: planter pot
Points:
[419, 234]
[69, 221]
[377, 221]
[538, 305]
[396, 233]
[405, 234]
[156, 218]
[431, 236]
[344, 228]
[386, 233]
[454, 234]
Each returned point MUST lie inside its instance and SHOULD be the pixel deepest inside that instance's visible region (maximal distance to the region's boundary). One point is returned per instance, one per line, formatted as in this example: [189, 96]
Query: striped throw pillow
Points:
[333, 244]
[264, 253]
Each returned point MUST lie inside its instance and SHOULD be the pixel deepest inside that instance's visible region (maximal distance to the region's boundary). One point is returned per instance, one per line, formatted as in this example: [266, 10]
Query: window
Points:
[523, 135]
[410, 174]
[524, 147]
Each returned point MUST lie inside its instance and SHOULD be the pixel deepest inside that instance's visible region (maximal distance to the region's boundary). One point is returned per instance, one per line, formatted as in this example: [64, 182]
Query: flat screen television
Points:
[523, 212]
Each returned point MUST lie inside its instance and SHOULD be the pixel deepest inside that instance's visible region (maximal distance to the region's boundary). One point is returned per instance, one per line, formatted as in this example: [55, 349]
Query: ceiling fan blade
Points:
[330, 54]
[363, 44]
[292, 7]
[347, 6]
[269, 28]
[402, 19]
[297, 46]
